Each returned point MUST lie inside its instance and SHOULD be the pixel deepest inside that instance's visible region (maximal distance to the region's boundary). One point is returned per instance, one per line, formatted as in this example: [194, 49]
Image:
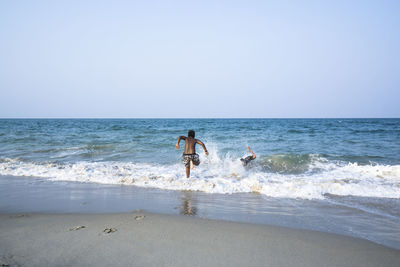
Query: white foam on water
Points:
[226, 175]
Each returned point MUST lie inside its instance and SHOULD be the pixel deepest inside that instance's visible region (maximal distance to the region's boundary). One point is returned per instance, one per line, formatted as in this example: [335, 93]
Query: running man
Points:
[247, 159]
[190, 156]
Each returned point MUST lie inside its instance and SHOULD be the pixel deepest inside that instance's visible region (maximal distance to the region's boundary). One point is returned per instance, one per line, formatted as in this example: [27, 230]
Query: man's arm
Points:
[252, 153]
[179, 139]
[202, 144]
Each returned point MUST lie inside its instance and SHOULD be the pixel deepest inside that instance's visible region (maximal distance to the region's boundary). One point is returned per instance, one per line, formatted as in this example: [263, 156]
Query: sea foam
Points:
[226, 175]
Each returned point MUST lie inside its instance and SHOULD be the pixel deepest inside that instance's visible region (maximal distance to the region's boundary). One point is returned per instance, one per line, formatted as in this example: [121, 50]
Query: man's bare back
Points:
[189, 155]
[190, 144]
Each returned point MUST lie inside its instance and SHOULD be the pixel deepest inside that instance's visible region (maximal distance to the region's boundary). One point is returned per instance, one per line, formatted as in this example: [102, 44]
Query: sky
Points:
[199, 59]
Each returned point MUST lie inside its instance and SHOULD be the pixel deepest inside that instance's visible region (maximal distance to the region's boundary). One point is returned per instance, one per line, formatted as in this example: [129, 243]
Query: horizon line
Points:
[195, 118]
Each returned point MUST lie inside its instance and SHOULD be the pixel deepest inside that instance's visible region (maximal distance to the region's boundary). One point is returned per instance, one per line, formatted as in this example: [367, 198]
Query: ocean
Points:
[307, 166]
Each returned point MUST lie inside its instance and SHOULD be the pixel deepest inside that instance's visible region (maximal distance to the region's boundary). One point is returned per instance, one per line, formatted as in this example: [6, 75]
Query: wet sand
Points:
[147, 239]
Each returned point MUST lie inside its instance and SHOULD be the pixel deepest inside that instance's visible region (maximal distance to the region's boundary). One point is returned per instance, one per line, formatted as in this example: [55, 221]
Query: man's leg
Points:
[191, 165]
[187, 171]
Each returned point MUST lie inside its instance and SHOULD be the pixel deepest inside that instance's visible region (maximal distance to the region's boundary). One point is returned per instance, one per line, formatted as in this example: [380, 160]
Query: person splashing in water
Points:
[190, 157]
[247, 159]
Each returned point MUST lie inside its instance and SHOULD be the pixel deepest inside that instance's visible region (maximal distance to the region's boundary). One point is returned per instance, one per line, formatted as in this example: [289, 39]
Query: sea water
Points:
[296, 158]
[351, 166]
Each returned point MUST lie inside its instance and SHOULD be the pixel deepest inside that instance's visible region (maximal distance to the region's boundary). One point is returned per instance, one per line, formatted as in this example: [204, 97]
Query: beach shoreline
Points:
[148, 239]
[26, 195]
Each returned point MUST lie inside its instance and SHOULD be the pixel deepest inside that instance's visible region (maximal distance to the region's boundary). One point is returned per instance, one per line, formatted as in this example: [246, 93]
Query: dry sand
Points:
[145, 239]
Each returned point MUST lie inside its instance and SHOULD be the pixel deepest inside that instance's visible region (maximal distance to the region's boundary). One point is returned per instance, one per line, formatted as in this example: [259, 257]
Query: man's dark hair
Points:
[191, 133]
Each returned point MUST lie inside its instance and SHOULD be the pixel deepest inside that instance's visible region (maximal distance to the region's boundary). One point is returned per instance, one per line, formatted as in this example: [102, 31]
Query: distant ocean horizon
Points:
[192, 118]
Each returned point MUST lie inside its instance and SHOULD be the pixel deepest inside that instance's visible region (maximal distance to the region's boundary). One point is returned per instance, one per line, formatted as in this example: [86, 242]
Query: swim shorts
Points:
[246, 160]
[186, 158]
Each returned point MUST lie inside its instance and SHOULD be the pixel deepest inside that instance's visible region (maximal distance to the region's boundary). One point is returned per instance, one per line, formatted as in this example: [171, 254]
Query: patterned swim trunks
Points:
[186, 158]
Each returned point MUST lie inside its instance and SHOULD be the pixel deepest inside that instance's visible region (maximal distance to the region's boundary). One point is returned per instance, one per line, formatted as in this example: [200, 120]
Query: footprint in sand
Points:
[7, 261]
[109, 230]
[139, 217]
[77, 228]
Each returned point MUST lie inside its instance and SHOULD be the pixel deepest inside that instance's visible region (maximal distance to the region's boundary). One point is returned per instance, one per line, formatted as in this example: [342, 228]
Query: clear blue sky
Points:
[199, 59]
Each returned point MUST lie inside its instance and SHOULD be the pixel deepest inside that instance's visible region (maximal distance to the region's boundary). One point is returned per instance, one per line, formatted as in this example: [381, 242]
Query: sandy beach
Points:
[147, 239]
[199, 133]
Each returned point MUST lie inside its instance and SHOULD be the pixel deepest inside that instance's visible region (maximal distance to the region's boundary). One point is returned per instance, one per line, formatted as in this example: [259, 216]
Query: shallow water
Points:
[366, 218]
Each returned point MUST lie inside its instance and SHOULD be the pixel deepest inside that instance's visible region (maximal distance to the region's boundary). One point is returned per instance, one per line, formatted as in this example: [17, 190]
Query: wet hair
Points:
[191, 133]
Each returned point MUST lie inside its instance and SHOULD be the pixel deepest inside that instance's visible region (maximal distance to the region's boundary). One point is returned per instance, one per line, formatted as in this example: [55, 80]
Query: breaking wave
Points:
[306, 176]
